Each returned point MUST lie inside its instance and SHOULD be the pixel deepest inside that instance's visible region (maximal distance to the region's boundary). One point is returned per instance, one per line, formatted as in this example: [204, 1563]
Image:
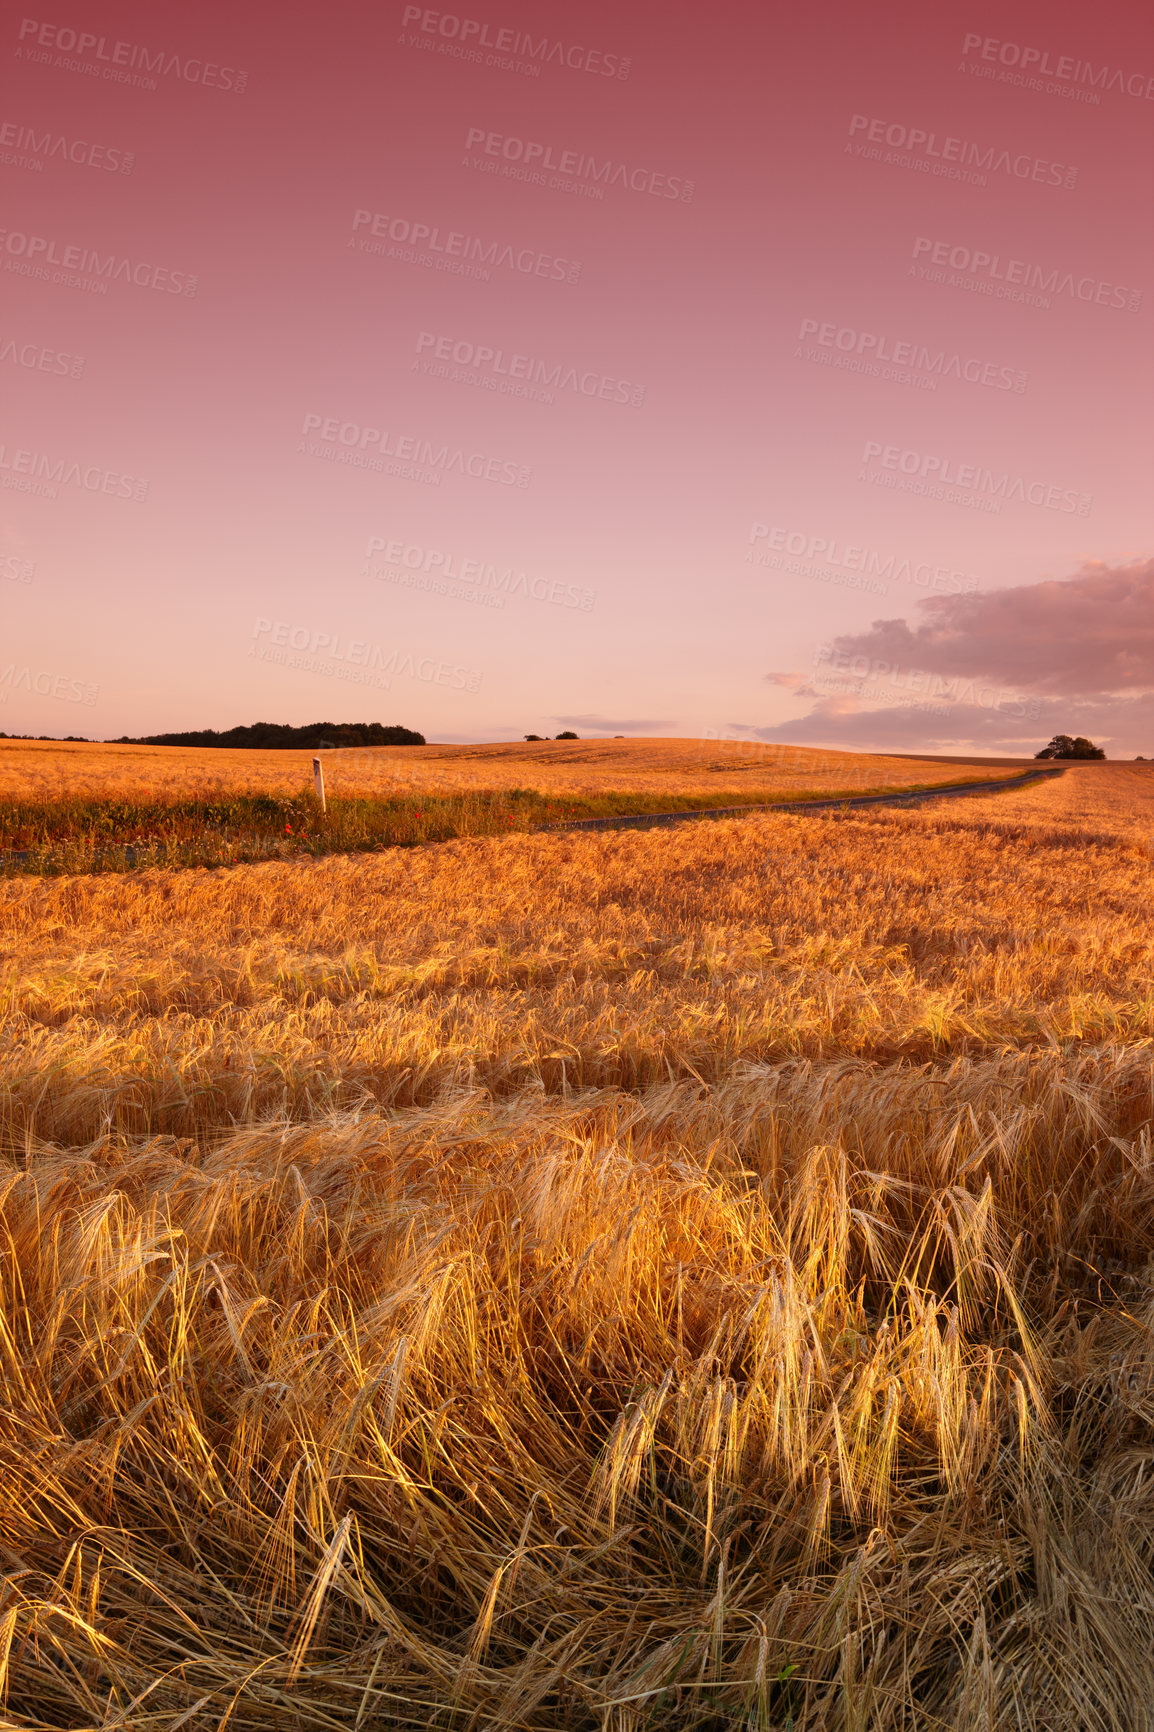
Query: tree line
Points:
[279, 736]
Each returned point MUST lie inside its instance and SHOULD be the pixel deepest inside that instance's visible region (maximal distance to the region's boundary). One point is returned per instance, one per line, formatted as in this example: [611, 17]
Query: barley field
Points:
[50, 770]
[69, 808]
[685, 1278]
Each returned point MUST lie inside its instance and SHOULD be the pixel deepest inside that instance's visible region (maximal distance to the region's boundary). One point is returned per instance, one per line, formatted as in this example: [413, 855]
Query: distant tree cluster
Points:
[567, 735]
[277, 736]
[1064, 746]
[58, 739]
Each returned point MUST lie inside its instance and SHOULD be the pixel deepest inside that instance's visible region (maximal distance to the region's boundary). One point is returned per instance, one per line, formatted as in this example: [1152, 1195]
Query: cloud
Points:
[1091, 633]
[1124, 724]
[635, 725]
[997, 672]
[798, 683]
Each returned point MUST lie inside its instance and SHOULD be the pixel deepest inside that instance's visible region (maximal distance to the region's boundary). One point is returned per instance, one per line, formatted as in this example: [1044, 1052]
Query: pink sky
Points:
[796, 387]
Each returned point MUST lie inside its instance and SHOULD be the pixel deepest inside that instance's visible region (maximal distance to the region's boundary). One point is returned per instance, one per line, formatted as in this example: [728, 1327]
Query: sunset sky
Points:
[632, 369]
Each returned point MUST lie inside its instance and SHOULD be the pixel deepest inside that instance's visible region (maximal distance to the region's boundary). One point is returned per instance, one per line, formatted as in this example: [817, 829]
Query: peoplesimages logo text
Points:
[122, 62]
[879, 347]
[1017, 279]
[506, 370]
[440, 564]
[365, 447]
[354, 659]
[454, 251]
[44, 684]
[40, 147]
[957, 158]
[528, 159]
[27, 471]
[851, 557]
[936, 476]
[469, 35]
[39, 359]
[30, 255]
[1065, 68]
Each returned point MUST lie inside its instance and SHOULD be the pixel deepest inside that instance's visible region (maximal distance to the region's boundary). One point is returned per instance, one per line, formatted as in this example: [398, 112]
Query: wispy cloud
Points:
[798, 683]
[1124, 725]
[614, 725]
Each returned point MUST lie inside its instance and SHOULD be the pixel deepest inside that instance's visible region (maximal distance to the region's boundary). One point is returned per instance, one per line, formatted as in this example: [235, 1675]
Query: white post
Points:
[319, 780]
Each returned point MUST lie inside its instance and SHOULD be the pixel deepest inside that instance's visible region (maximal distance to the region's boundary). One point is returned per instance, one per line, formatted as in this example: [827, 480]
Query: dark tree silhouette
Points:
[280, 735]
[1065, 746]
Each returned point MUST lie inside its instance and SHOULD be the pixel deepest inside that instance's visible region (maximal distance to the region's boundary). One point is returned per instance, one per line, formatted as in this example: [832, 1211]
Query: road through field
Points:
[1115, 799]
[644, 820]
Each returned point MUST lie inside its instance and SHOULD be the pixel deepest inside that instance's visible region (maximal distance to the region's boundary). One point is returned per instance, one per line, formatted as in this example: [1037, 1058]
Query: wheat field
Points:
[689, 1278]
[55, 770]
